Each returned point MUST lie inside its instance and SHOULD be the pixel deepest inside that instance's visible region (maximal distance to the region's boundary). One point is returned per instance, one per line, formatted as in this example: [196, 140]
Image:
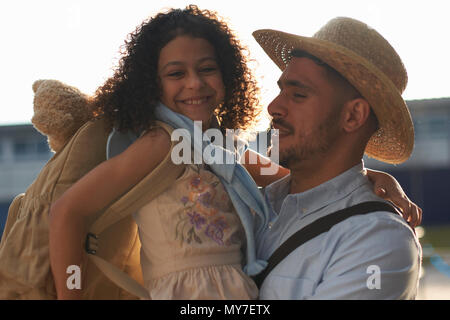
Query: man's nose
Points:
[276, 108]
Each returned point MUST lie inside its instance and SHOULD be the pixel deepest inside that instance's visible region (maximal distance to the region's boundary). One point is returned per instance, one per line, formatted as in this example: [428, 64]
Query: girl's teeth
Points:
[195, 101]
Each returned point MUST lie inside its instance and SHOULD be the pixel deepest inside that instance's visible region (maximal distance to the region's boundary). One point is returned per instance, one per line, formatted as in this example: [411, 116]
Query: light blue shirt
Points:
[371, 256]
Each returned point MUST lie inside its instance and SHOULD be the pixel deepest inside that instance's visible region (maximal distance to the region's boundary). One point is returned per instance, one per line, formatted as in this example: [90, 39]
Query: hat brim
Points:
[394, 140]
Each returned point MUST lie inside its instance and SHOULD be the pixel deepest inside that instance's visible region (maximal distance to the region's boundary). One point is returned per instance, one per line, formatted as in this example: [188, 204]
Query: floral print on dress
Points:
[215, 230]
[200, 217]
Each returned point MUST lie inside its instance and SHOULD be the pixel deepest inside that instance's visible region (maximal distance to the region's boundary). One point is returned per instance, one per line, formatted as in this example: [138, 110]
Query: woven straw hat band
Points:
[370, 64]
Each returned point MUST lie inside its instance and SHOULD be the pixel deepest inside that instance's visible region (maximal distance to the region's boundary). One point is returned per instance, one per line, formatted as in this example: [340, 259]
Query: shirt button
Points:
[270, 225]
[303, 210]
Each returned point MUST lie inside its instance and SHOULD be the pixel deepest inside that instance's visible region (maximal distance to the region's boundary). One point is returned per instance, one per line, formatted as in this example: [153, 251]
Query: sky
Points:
[78, 42]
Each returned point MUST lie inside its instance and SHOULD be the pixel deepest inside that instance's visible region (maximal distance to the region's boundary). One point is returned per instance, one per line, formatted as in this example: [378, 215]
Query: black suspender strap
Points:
[316, 228]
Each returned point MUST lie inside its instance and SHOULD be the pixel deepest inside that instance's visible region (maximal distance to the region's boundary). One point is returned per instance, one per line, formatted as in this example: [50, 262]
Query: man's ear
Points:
[355, 114]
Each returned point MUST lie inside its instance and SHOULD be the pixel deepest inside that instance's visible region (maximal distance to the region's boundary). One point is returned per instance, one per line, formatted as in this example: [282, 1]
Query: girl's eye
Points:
[208, 69]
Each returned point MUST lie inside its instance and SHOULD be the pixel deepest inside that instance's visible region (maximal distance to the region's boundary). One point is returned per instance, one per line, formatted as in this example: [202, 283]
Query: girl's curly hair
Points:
[127, 99]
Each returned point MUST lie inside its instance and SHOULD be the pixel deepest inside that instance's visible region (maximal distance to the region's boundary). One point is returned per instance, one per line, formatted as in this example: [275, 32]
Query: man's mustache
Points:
[282, 125]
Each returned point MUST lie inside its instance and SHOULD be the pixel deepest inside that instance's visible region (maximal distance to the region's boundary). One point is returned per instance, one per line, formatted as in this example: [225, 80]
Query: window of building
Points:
[432, 127]
[43, 148]
[31, 150]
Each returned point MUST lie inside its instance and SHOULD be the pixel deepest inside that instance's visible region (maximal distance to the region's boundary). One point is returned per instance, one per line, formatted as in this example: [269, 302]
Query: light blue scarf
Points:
[241, 187]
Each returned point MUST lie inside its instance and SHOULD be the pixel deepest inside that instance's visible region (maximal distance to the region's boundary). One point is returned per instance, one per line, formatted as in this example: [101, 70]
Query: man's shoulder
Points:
[378, 230]
[381, 215]
[363, 194]
[373, 225]
[380, 220]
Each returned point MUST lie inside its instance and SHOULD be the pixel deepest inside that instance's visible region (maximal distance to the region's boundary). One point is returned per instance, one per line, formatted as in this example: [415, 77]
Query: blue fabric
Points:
[241, 187]
[118, 142]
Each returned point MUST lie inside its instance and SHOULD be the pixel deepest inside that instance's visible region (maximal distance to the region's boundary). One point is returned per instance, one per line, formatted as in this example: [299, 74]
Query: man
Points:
[340, 97]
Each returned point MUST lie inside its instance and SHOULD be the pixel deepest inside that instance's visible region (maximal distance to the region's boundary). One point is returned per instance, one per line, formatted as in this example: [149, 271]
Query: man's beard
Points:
[315, 143]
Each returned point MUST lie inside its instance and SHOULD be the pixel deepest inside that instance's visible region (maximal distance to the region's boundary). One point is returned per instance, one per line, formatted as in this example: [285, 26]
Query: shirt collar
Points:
[322, 195]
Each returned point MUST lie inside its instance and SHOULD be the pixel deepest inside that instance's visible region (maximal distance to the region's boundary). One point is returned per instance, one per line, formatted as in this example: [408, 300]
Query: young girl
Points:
[183, 64]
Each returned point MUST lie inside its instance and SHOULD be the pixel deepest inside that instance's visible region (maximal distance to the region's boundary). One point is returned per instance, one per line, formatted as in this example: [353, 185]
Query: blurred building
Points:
[425, 176]
[23, 153]
[432, 135]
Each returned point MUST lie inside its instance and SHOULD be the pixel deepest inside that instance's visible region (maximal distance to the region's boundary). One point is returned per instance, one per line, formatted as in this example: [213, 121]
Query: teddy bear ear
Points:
[37, 84]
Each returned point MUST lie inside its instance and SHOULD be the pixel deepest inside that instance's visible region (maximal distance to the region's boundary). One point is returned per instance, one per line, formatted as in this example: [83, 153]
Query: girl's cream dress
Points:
[193, 241]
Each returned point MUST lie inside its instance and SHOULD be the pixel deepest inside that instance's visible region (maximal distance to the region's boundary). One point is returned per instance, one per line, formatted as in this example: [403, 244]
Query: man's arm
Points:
[374, 258]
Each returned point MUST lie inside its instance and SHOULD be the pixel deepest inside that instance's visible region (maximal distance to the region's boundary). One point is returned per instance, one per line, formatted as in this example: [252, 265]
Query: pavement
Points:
[433, 284]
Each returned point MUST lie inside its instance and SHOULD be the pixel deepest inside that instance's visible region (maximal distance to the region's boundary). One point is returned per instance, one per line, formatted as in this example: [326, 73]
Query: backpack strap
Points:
[156, 182]
[316, 228]
[143, 192]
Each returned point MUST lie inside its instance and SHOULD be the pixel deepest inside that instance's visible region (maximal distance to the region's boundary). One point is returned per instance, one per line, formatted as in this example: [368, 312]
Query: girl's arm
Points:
[262, 169]
[387, 187]
[71, 213]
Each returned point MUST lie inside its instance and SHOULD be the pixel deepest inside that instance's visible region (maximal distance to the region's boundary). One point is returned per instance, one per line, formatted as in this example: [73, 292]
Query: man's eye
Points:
[298, 95]
[175, 74]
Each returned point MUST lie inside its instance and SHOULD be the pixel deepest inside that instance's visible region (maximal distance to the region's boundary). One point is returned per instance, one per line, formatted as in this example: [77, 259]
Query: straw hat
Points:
[370, 64]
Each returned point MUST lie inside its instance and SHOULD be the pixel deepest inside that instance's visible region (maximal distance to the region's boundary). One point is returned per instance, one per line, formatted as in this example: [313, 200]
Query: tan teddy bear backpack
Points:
[24, 248]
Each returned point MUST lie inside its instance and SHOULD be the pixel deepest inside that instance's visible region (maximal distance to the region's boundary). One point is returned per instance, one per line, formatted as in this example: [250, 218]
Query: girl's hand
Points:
[388, 188]
[255, 163]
